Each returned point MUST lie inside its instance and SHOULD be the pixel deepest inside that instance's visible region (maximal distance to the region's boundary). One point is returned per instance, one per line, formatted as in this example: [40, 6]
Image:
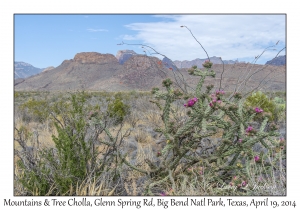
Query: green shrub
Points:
[73, 158]
[39, 109]
[118, 110]
[261, 100]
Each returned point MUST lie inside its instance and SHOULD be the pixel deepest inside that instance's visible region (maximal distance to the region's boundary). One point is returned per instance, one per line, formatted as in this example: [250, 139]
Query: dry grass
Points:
[142, 137]
[145, 116]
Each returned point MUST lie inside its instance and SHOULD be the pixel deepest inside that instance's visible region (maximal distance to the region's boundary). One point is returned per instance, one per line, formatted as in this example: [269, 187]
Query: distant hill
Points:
[24, 70]
[278, 61]
[198, 62]
[98, 72]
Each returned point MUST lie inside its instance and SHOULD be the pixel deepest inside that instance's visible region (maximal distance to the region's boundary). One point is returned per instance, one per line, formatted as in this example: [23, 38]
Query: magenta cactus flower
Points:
[249, 129]
[258, 110]
[214, 101]
[244, 183]
[240, 140]
[220, 92]
[256, 158]
[191, 102]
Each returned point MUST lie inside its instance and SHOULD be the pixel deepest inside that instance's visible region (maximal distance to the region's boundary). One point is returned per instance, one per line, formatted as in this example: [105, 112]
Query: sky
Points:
[48, 40]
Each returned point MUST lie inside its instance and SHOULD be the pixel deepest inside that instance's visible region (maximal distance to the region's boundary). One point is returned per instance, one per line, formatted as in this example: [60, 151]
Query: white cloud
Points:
[226, 36]
[96, 30]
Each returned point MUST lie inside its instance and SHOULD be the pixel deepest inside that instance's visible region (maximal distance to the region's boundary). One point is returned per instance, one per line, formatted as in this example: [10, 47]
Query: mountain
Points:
[124, 55]
[278, 61]
[98, 72]
[24, 70]
[198, 62]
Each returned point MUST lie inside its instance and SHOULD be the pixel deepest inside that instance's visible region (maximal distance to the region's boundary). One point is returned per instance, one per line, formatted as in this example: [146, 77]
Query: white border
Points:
[8, 8]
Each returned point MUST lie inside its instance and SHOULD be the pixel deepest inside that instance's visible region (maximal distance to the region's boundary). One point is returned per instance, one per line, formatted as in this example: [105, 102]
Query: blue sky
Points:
[47, 40]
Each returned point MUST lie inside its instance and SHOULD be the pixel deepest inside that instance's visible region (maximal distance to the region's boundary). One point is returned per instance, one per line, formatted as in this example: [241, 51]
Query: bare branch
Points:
[197, 41]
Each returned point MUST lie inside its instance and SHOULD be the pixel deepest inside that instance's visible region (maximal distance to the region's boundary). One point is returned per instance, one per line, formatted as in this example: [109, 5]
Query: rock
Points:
[152, 132]
[257, 147]
[255, 125]
[140, 62]
[94, 58]
[130, 144]
[143, 72]
[124, 55]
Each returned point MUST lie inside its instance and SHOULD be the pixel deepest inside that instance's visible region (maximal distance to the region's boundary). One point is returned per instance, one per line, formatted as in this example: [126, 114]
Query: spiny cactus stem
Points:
[166, 114]
[234, 158]
[198, 136]
[131, 166]
[190, 123]
[231, 115]
[199, 86]
[264, 143]
[251, 142]
[263, 125]
[230, 152]
[176, 161]
[157, 104]
[172, 180]
[107, 132]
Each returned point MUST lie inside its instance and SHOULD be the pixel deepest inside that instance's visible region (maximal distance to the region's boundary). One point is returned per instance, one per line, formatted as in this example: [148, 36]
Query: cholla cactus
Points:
[208, 113]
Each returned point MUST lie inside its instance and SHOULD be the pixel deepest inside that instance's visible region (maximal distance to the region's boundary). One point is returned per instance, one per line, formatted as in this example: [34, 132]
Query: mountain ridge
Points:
[98, 72]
